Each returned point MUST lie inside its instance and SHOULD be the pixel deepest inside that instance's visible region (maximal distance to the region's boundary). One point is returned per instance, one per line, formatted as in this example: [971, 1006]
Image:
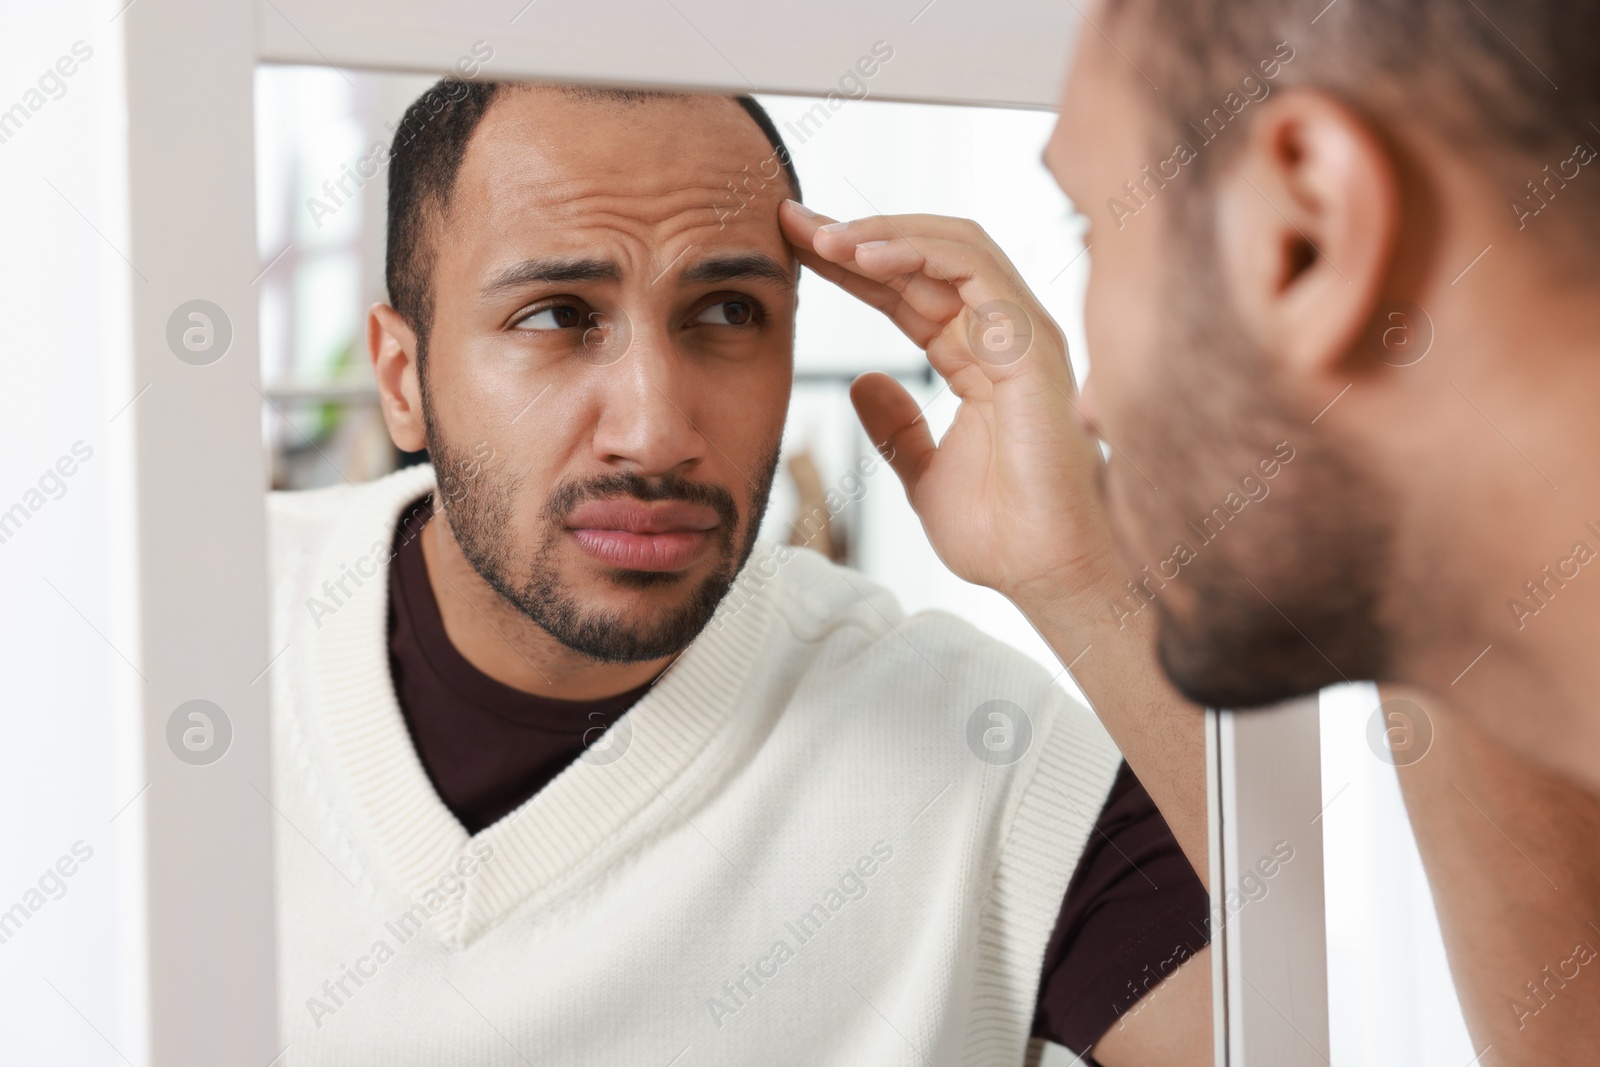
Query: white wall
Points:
[70, 978]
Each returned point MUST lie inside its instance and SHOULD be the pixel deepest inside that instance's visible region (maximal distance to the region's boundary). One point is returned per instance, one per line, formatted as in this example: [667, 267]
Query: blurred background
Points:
[321, 254]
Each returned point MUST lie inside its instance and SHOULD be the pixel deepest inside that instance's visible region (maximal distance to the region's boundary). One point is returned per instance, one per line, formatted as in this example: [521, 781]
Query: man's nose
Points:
[648, 403]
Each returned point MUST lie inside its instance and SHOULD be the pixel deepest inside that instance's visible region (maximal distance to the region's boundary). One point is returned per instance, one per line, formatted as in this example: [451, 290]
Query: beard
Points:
[482, 513]
[1288, 596]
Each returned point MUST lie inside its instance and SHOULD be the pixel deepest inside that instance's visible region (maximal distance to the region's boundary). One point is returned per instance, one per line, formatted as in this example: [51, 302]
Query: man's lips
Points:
[635, 535]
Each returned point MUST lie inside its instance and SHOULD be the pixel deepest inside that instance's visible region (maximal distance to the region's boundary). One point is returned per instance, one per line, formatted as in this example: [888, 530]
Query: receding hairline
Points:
[437, 210]
[612, 99]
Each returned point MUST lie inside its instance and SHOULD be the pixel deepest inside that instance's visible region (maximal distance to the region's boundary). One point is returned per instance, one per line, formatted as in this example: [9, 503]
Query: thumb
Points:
[895, 425]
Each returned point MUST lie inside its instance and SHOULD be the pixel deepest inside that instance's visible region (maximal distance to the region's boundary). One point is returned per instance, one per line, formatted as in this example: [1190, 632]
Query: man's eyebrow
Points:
[738, 266]
[559, 269]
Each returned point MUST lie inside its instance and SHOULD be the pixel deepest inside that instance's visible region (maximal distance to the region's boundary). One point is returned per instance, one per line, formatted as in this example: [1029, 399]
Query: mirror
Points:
[994, 827]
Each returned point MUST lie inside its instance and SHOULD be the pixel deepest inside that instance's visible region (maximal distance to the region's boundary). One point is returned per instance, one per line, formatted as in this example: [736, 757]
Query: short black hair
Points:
[429, 145]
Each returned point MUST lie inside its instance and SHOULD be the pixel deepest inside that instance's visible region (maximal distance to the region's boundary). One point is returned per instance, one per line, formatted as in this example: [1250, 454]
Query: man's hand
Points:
[1009, 497]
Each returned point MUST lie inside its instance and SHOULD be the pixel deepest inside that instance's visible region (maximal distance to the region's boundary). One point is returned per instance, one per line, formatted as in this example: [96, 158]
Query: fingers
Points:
[808, 231]
[1003, 323]
[911, 322]
[943, 282]
[910, 227]
[895, 425]
[835, 239]
[800, 226]
[838, 241]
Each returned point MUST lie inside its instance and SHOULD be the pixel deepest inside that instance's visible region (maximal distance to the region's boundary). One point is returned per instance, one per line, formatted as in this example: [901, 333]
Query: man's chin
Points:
[628, 616]
[1217, 669]
[628, 635]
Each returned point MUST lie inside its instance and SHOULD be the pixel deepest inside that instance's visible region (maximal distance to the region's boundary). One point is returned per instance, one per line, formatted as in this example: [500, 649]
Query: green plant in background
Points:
[330, 414]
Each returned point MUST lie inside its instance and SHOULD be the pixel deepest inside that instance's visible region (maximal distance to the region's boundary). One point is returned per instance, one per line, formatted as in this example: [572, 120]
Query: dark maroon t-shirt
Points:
[1133, 910]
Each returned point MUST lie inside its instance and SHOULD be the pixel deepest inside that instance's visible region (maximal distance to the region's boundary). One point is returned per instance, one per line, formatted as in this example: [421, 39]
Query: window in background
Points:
[319, 227]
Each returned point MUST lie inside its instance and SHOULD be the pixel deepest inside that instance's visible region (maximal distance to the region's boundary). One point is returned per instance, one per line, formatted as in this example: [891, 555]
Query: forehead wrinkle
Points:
[651, 209]
[577, 226]
[633, 215]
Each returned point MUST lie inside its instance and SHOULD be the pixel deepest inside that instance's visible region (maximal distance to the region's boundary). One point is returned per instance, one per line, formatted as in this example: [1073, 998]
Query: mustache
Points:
[569, 495]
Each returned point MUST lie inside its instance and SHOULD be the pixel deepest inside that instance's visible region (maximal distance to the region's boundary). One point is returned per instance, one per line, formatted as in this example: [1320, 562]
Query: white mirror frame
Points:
[1269, 943]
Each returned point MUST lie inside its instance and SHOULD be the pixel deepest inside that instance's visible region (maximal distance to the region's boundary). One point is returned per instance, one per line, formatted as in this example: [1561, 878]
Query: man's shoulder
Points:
[296, 515]
[864, 672]
[823, 603]
[313, 535]
[339, 497]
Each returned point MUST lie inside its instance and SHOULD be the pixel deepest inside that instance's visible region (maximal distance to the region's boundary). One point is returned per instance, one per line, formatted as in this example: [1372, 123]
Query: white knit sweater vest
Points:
[787, 853]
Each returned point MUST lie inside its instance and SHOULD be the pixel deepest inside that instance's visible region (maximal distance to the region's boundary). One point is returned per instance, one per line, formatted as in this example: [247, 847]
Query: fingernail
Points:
[870, 244]
[802, 209]
[833, 227]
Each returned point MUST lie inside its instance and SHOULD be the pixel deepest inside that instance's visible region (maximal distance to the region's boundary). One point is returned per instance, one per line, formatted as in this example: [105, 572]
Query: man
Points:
[1342, 319]
[535, 808]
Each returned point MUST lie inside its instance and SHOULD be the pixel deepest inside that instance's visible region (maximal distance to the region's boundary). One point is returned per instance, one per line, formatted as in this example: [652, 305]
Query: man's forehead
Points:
[567, 167]
[562, 147]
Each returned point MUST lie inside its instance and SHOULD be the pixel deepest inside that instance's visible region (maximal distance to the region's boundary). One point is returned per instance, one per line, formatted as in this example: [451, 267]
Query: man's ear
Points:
[393, 346]
[1308, 220]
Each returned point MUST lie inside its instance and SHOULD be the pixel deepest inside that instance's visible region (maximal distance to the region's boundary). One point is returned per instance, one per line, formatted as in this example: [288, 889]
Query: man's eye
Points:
[555, 317]
[729, 313]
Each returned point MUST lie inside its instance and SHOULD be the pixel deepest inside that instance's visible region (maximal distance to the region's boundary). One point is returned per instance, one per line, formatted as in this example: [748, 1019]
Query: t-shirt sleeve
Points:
[1132, 913]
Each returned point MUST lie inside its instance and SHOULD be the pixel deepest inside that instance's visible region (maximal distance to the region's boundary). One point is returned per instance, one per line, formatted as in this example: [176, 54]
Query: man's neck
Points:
[505, 644]
[1535, 693]
[1533, 689]
[1501, 606]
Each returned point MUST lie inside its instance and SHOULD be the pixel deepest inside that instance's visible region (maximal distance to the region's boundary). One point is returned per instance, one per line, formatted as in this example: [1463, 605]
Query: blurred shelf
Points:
[364, 391]
[323, 391]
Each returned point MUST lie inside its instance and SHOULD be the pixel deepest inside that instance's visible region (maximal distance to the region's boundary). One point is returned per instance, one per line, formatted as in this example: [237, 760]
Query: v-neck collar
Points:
[570, 830]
